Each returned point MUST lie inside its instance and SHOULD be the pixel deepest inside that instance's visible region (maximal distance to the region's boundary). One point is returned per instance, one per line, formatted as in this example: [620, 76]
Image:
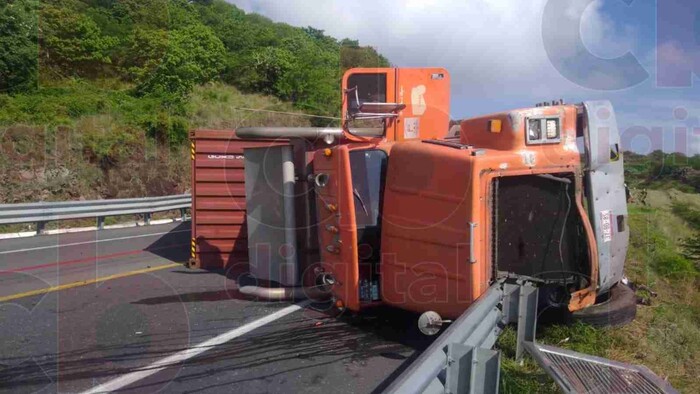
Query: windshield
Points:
[367, 168]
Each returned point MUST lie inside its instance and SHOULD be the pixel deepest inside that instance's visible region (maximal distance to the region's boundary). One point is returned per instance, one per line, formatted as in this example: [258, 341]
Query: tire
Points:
[618, 309]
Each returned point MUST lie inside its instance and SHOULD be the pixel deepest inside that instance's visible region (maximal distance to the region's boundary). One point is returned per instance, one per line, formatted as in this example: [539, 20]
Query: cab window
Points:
[368, 168]
[362, 89]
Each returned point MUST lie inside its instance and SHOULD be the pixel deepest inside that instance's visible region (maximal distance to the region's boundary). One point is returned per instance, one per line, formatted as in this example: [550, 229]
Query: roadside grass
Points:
[665, 336]
[221, 106]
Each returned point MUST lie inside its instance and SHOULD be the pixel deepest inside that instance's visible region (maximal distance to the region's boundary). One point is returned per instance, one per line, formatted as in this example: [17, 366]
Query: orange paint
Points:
[342, 259]
[434, 192]
[424, 91]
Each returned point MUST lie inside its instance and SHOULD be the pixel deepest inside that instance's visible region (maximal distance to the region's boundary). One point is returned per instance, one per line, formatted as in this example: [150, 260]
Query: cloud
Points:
[495, 51]
[490, 48]
[660, 123]
[673, 53]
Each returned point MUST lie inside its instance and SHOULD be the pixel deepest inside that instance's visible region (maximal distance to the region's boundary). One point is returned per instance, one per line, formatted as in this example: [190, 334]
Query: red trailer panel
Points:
[219, 235]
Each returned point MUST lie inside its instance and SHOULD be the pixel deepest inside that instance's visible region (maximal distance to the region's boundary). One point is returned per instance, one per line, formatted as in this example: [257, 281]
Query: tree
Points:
[312, 80]
[217, 13]
[193, 56]
[270, 65]
[356, 56]
[346, 42]
[145, 52]
[313, 32]
[166, 47]
[18, 45]
[73, 42]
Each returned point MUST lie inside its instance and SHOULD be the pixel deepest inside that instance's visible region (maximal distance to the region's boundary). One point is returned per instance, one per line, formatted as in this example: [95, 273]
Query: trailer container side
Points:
[219, 234]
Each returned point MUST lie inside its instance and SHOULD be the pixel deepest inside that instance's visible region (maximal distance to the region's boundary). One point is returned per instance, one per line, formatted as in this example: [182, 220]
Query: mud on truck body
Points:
[403, 207]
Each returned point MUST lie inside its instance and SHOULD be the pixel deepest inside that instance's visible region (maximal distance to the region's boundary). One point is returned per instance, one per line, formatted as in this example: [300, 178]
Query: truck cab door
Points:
[605, 190]
[337, 227]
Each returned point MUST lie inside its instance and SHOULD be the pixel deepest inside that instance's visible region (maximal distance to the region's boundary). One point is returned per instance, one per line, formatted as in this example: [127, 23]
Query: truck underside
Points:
[538, 231]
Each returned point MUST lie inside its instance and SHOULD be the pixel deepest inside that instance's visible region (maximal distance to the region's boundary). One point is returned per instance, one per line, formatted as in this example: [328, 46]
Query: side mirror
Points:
[370, 110]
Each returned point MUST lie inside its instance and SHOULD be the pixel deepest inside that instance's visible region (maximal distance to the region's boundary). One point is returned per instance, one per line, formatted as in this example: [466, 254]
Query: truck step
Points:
[581, 373]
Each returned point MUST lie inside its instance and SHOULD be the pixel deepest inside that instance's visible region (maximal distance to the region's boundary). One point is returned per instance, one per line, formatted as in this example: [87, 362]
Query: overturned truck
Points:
[398, 208]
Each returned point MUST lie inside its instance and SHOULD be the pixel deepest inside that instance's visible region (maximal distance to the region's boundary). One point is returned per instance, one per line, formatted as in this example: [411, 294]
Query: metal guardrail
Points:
[462, 360]
[43, 212]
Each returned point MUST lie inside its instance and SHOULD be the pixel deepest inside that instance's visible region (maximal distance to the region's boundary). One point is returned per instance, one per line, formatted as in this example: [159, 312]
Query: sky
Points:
[504, 54]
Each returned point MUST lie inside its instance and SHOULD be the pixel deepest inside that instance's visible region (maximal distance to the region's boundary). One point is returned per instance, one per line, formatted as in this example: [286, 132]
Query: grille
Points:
[581, 373]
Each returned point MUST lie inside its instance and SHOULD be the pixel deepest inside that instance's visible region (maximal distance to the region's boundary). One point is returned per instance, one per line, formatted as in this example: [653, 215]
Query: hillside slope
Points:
[79, 141]
[105, 109]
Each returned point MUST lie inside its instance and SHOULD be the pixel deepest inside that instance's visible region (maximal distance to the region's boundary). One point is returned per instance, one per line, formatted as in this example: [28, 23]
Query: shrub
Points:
[18, 45]
[167, 129]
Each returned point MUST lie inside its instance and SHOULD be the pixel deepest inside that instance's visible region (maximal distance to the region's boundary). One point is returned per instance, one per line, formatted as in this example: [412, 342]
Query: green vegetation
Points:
[97, 96]
[666, 334]
[99, 143]
[659, 170]
[18, 45]
[163, 48]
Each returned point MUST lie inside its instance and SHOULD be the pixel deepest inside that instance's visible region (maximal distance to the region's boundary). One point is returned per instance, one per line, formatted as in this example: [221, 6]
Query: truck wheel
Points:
[618, 309]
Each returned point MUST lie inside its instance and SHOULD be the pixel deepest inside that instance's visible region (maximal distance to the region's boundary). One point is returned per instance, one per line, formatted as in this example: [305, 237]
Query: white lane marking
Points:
[144, 372]
[92, 242]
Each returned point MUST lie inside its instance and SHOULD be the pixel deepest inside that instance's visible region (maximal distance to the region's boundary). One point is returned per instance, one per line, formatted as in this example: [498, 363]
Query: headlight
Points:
[543, 130]
[552, 129]
[534, 130]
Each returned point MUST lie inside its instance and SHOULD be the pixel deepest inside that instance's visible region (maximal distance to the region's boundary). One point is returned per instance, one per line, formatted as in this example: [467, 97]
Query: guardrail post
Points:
[40, 228]
[147, 219]
[100, 222]
[183, 214]
[472, 369]
[527, 318]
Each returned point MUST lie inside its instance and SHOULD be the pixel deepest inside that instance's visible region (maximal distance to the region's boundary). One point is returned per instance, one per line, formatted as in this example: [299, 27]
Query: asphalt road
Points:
[88, 332]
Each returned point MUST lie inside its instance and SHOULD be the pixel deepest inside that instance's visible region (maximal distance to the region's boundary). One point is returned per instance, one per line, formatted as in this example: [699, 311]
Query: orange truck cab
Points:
[402, 206]
[414, 218]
